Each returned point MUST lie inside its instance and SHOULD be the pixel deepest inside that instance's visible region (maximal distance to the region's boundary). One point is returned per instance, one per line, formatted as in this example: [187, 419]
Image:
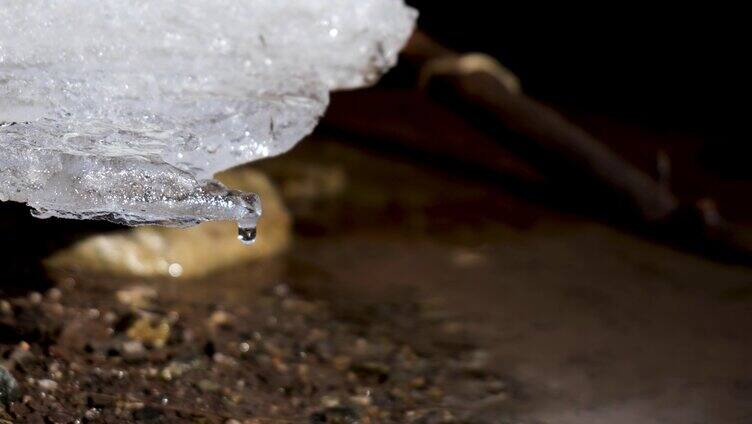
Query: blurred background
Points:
[539, 216]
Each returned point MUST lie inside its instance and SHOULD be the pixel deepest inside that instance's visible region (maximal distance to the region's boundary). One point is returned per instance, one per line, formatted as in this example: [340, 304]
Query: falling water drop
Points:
[247, 224]
[247, 235]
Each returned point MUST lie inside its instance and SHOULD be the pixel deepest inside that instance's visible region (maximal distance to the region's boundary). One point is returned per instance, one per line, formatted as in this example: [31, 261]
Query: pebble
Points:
[208, 386]
[92, 414]
[54, 294]
[329, 401]
[176, 369]
[9, 391]
[281, 290]
[110, 318]
[371, 369]
[47, 385]
[146, 331]
[222, 359]
[21, 356]
[139, 297]
[35, 298]
[6, 308]
[134, 350]
[361, 400]
[335, 415]
[220, 319]
[148, 414]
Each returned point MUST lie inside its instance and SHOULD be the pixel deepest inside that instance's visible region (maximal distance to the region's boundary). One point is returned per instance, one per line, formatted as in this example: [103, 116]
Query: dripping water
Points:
[247, 224]
[247, 235]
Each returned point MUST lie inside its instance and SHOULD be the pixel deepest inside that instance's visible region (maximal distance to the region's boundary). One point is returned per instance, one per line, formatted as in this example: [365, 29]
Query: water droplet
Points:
[247, 235]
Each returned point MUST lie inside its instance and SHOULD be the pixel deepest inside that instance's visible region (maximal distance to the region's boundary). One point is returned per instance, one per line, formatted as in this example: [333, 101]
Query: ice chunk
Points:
[125, 110]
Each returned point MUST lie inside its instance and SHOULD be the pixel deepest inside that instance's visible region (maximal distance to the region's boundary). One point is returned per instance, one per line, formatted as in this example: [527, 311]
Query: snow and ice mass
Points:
[124, 111]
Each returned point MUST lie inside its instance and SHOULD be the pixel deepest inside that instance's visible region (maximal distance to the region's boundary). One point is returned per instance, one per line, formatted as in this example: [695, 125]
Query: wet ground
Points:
[411, 294]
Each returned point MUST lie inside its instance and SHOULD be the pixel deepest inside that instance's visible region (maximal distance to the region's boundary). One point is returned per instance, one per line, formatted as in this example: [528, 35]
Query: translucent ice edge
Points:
[124, 111]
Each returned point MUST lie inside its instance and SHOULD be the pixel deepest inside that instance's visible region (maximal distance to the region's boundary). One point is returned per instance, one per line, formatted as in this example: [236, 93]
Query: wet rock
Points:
[9, 391]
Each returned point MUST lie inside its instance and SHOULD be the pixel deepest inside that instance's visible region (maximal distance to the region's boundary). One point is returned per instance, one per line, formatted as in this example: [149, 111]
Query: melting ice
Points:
[125, 110]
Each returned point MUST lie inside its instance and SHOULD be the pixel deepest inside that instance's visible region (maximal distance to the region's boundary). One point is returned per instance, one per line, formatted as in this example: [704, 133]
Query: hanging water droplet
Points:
[247, 235]
[247, 224]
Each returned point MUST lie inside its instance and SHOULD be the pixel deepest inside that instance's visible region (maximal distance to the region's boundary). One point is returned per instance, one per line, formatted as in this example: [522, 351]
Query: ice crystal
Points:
[124, 110]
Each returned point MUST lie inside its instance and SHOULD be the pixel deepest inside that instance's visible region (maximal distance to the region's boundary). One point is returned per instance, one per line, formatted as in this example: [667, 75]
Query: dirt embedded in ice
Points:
[124, 112]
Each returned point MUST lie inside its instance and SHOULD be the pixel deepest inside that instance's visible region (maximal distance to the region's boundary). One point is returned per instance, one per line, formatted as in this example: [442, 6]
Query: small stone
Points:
[166, 374]
[329, 401]
[220, 319]
[146, 330]
[280, 365]
[362, 400]
[35, 298]
[139, 297]
[371, 369]
[92, 414]
[173, 317]
[110, 318]
[21, 357]
[341, 363]
[281, 290]
[418, 382]
[222, 359]
[55, 370]
[133, 350]
[208, 386]
[68, 283]
[335, 415]
[9, 391]
[47, 385]
[147, 414]
[6, 308]
[57, 309]
[176, 369]
[54, 294]
[476, 361]
[244, 347]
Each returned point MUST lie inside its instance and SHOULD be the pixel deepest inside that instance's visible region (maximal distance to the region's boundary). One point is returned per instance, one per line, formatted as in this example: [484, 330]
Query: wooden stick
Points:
[487, 93]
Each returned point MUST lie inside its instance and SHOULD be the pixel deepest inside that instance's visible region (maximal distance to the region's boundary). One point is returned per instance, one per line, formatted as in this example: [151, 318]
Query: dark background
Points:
[675, 67]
